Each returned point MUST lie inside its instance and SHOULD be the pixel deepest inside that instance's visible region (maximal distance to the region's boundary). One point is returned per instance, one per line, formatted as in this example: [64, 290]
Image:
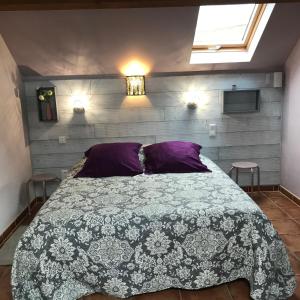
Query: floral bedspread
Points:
[130, 235]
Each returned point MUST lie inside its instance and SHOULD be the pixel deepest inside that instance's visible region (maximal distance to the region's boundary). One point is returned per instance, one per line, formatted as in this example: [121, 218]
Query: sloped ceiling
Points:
[98, 42]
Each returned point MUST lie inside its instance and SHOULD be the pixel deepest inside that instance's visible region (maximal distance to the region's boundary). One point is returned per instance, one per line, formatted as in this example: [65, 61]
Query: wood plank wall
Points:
[159, 116]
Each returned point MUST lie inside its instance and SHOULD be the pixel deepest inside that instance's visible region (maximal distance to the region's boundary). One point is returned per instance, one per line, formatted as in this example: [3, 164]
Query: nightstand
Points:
[43, 178]
[245, 165]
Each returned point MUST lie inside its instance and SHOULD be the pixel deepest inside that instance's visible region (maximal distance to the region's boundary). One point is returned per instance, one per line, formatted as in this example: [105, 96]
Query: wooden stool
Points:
[41, 178]
[245, 165]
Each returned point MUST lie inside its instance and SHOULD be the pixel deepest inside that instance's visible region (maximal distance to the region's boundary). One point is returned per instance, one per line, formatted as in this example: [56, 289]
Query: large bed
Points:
[125, 236]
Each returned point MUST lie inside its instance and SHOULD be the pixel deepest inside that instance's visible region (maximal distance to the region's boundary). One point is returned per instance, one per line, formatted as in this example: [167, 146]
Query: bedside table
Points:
[42, 178]
[246, 165]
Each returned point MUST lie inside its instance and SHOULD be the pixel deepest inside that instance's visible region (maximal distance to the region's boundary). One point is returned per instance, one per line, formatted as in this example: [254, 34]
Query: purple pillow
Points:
[173, 157]
[115, 159]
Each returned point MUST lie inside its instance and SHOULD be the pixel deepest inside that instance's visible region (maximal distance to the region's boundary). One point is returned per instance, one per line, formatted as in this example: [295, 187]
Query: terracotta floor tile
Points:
[295, 262]
[293, 212]
[262, 201]
[272, 194]
[284, 202]
[239, 290]
[286, 226]
[5, 295]
[292, 242]
[220, 292]
[258, 195]
[171, 294]
[5, 287]
[296, 295]
[5, 277]
[275, 214]
[2, 270]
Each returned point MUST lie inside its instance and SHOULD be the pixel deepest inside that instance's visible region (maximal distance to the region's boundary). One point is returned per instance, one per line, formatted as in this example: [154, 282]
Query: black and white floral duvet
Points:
[130, 235]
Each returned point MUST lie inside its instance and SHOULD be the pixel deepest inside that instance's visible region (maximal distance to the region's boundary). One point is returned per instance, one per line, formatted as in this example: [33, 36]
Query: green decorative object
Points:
[47, 104]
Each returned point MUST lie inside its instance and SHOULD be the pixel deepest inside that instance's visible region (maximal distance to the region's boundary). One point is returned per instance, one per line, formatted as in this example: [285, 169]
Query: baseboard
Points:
[263, 188]
[15, 224]
[289, 194]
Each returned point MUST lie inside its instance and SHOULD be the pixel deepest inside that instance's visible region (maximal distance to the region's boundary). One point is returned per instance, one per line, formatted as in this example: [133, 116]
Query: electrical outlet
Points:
[212, 130]
[62, 139]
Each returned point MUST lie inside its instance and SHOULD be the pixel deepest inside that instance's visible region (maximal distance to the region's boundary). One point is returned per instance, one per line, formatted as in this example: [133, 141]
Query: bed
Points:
[125, 236]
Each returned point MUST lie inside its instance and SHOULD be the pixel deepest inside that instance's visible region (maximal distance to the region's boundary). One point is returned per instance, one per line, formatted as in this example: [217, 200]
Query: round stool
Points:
[245, 165]
[41, 178]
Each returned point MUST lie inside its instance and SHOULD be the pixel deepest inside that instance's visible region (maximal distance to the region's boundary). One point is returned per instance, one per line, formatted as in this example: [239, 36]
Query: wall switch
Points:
[63, 173]
[62, 139]
[268, 79]
[212, 130]
[277, 80]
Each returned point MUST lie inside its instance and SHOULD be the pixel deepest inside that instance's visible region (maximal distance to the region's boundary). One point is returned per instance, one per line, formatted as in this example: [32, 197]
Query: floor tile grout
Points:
[180, 295]
[228, 290]
[281, 208]
[281, 194]
[294, 255]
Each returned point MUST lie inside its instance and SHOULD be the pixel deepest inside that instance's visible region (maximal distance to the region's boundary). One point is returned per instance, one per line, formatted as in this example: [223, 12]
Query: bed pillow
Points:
[115, 159]
[173, 157]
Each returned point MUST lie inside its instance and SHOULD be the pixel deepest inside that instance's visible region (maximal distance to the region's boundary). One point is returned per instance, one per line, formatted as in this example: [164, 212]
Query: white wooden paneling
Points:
[271, 95]
[82, 144]
[54, 171]
[207, 82]
[160, 115]
[30, 87]
[108, 86]
[152, 99]
[149, 128]
[68, 118]
[210, 152]
[47, 132]
[215, 110]
[187, 127]
[227, 139]
[72, 87]
[55, 160]
[249, 152]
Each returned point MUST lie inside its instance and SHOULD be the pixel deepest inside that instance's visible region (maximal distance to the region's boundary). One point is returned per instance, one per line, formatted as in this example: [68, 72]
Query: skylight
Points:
[229, 28]
[225, 24]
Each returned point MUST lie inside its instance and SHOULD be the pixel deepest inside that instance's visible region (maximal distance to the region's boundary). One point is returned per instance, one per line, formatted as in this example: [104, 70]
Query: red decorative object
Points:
[49, 114]
[47, 108]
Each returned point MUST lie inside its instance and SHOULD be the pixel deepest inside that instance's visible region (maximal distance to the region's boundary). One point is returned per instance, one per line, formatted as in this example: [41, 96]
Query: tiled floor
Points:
[285, 216]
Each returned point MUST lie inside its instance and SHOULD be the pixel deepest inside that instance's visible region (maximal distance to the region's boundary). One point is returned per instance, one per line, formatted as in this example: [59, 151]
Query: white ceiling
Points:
[97, 42]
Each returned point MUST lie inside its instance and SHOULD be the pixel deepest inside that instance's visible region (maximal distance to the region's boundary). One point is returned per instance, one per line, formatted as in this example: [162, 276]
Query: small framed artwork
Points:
[47, 104]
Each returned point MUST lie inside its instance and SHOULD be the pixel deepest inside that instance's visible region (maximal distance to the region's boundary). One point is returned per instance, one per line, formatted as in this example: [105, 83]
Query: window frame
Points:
[241, 46]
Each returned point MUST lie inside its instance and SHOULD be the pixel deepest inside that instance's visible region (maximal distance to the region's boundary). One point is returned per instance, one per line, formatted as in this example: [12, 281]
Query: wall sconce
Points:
[79, 103]
[192, 99]
[192, 105]
[135, 85]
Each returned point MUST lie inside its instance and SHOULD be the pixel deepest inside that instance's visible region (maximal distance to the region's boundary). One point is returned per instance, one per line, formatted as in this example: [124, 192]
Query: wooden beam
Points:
[14, 5]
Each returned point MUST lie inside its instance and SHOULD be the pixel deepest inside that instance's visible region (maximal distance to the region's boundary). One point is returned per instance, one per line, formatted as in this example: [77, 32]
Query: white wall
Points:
[290, 159]
[15, 164]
